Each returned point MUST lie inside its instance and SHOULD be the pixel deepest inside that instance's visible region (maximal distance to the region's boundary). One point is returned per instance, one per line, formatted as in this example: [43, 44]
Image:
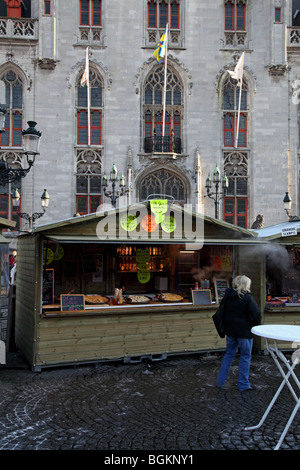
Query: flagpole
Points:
[240, 84]
[165, 83]
[88, 95]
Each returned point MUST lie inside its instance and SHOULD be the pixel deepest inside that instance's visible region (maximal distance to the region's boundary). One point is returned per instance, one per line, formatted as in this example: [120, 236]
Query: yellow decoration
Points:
[168, 224]
[50, 256]
[128, 222]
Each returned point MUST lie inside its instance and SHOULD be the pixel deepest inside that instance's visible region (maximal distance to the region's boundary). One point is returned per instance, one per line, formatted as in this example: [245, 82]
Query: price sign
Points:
[71, 302]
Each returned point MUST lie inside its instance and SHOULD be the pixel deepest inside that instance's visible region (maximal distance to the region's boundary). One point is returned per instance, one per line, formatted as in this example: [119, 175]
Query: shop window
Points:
[94, 136]
[235, 22]
[231, 93]
[154, 141]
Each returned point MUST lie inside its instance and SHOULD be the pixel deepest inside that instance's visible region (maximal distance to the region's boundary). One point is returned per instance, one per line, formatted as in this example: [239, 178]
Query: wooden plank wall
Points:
[26, 288]
[90, 338]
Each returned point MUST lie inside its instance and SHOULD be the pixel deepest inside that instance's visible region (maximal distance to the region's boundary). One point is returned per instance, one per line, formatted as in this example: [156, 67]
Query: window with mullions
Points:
[235, 22]
[235, 15]
[231, 94]
[88, 191]
[12, 137]
[235, 202]
[163, 182]
[90, 12]
[153, 112]
[7, 209]
[96, 111]
[161, 13]
[88, 181]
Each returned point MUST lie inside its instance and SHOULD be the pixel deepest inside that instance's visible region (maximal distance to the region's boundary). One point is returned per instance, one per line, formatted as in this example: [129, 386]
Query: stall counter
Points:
[123, 332]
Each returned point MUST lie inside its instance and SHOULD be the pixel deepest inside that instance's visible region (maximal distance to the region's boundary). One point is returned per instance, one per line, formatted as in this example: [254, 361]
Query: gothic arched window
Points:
[231, 95]
[11, 141]
[163, 182]
[92, 134]
[89, 144]
[153, 112]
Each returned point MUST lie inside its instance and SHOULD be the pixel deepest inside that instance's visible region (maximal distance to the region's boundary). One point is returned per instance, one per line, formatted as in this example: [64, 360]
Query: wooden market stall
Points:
[281, 271]
[171, 267]
[5, 314]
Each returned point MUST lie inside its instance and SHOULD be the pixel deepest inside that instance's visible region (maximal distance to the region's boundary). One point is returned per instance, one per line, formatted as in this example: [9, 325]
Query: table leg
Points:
[250, 428]
[275, 353]
[287, 426]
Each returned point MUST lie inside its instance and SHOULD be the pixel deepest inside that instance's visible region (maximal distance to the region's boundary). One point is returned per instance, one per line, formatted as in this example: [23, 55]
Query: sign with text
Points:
[71, 302]
[220, 288]
[289, 232]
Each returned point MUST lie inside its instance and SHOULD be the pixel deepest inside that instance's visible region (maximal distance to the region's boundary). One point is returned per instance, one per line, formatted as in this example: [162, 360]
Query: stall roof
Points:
[84, 229]
[5, 224]
[286, 232]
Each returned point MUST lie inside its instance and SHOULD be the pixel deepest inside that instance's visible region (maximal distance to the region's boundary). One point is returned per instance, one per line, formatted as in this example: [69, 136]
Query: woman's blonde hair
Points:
[241, 284]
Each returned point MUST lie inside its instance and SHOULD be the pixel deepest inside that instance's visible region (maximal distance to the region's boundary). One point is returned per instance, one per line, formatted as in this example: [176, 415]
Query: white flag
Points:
[237, 73]
[85, 77]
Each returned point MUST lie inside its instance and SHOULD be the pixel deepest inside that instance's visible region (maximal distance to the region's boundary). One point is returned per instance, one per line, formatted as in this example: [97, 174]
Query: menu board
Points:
[48, 286]
[220, 288]
[71, 302]
[201, 296]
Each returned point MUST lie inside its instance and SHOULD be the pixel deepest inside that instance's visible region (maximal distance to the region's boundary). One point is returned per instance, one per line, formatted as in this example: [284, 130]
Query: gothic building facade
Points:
[43, 57]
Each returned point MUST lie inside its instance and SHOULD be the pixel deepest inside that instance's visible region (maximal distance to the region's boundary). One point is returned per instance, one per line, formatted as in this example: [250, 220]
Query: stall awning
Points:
[286, 233]
[5, 224]
[138, 224]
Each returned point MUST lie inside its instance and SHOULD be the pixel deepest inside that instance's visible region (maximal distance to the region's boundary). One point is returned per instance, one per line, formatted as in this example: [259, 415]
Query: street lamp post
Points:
[31, 140]
[287, 203]
[113, 194]
[216, 196]
[36, 215]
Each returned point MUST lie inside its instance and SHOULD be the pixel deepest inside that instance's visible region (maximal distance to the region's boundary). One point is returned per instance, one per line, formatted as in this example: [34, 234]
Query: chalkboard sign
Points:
[71, 302]
[220, 287]
[48, 286]
[201, 297]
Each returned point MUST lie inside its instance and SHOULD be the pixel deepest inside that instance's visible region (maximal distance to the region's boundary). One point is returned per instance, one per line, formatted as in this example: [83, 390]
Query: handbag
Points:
[218, 319]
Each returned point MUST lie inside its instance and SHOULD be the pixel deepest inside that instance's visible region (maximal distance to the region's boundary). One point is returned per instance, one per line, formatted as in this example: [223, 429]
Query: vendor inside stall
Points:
[120, 273]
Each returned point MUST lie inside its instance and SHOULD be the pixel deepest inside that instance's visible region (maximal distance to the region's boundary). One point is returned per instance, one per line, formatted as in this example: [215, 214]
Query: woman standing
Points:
[241, 313]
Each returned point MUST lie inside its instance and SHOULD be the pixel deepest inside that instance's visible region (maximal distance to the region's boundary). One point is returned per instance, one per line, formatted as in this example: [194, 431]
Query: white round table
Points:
[287, 333]
[278, 332]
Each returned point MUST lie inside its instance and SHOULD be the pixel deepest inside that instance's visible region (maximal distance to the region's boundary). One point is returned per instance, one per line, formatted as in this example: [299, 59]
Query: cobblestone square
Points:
[169, 405]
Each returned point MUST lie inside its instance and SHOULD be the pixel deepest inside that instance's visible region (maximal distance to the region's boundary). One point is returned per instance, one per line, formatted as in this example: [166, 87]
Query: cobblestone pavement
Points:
[170, 405]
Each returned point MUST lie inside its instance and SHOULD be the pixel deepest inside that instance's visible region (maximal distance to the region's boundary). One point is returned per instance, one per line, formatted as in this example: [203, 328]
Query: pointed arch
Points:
[168, 181]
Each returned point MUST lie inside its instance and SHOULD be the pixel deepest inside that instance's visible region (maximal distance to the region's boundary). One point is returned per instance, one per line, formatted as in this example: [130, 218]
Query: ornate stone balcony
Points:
[18, 28]
[293, 39]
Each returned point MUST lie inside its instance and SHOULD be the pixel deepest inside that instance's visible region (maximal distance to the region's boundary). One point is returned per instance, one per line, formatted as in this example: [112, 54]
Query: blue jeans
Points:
[232, 345]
